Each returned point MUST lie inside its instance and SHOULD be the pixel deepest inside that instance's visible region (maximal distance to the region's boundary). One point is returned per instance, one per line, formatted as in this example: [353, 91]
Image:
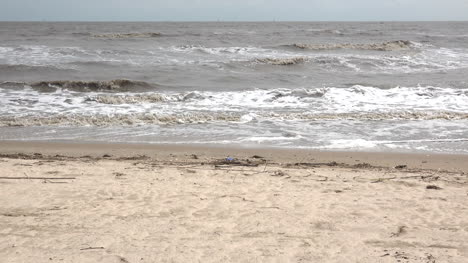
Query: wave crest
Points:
[84, 86]
[128, 35]
[384, 46]
[282, 61]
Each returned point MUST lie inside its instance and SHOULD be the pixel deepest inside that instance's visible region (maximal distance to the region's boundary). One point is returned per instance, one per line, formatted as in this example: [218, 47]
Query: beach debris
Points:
[379, 180]
[90, 248]
[401, 166]
[278, 173]
[433, 187]
[257, 157]
[400, 255]
[400, 231]
[362, 165]
[194, 156]
[430, 259]
[106, 156]
[236, 196]
[320, 178]
[330, 164]
[38, 178]
[231, 161]
[133, 158]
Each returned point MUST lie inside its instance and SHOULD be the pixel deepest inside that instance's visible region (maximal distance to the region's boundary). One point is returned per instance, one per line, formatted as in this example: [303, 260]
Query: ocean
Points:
[383, 86]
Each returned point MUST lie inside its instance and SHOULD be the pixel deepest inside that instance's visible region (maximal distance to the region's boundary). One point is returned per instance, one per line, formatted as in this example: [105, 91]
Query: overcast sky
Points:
[233, 10]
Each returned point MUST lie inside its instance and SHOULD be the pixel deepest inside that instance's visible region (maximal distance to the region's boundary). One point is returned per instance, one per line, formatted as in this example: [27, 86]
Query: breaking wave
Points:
[384, 46]
[135, 99]
[208, 117]
[116, 120]
[128, 35]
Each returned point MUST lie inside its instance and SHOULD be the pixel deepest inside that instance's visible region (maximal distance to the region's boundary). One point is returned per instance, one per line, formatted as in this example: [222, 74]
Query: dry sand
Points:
[183, 204]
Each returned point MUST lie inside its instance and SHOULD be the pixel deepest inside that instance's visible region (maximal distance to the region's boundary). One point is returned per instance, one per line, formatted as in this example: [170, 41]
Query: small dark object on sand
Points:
[257, 157]
[362, 165]
[194, 156]
[400, 231]
[433, 187]
[90, 248]
[278, 173]
[106, 156]
[234, 161]
[402, 166]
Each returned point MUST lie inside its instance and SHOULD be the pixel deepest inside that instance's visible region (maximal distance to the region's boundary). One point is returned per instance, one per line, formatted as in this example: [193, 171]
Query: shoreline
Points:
[200, 153]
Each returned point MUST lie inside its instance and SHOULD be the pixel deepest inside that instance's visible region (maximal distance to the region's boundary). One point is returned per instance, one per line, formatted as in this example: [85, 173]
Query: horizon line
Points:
[228, 21]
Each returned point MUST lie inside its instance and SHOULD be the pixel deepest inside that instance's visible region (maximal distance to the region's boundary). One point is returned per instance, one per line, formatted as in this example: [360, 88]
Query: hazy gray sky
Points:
[232, 10]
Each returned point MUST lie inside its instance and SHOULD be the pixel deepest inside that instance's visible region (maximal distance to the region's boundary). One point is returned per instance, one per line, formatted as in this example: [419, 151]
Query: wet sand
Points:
[71, 202]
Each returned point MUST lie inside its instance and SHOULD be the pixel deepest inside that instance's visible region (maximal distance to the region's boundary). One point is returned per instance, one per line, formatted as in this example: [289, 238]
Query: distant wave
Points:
[12, 84]
[30, 68]
[128, 35]
[117, 85]
[326, 31]
[384, 46]
[81, 34]
[218, 50]
[282, 61]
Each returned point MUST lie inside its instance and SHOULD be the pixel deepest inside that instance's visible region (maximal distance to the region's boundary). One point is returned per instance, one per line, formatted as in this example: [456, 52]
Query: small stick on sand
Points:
[89, 248]
[39, 178]
[383, 179]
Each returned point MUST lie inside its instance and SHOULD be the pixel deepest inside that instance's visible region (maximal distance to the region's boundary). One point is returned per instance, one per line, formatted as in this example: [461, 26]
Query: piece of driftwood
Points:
[39, 178]
[89, 248]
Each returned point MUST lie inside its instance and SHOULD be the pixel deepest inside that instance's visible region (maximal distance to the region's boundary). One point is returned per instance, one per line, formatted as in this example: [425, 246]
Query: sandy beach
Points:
[71, 202]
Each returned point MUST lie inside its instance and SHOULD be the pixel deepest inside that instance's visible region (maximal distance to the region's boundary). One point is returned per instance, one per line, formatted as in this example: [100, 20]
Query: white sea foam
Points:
[352, 144]
[356, 102]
